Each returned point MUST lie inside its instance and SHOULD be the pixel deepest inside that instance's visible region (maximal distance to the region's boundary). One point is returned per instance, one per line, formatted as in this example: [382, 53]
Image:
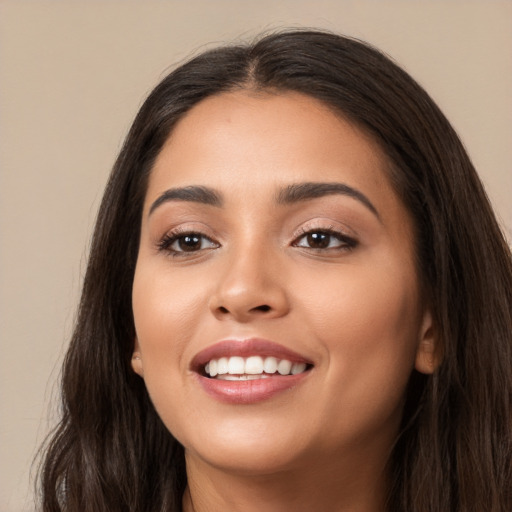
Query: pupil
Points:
[190, 242]
[318, 240]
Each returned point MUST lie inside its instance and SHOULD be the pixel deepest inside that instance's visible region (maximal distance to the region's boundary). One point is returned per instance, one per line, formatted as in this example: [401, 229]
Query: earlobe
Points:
[137, 360]
[428, 352]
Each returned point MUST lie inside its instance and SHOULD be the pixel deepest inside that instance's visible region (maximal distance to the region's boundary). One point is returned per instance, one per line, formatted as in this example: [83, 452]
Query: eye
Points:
[321, 239]
[180, 243]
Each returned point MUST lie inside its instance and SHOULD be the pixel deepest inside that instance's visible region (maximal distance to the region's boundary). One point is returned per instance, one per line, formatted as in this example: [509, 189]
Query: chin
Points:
[246, 462]
[248, 451]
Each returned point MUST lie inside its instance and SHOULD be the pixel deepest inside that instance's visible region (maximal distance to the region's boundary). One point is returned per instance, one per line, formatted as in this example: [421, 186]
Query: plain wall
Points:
[72, 75]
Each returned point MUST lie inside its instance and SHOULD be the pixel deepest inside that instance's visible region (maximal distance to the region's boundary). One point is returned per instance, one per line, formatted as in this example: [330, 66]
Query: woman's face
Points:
[274, 251]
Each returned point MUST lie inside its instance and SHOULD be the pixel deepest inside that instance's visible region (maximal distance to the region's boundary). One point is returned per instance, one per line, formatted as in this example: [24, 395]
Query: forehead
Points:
[250, 136]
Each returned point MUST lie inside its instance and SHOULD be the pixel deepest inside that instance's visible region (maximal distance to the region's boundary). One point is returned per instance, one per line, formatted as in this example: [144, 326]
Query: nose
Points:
[251, 287]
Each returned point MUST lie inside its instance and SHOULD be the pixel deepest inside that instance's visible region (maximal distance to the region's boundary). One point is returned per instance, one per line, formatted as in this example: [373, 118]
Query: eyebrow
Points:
[306, 191]
[289, 195]
[193, 193]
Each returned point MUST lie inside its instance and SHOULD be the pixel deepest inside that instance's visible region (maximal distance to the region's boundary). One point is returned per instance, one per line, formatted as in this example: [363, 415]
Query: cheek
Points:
[165, 307]
[368, 322]
[166, 311]
[363, 302]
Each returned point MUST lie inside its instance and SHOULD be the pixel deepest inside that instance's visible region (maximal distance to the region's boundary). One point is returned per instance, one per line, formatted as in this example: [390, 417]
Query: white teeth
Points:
[213, 368]
[270, 365]
[298, 368]
[222, 366]
[284, 367]
[254, 365]
[235, 365]
[250, 368]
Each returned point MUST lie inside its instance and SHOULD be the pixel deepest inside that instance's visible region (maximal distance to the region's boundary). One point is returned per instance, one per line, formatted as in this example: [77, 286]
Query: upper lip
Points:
[246, 348]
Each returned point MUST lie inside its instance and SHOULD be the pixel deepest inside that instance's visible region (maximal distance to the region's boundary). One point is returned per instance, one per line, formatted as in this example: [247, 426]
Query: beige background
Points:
[71, 78]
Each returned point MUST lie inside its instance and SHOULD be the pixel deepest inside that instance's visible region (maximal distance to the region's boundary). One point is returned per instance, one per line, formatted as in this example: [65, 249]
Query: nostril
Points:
[239, 311]
[264, 308]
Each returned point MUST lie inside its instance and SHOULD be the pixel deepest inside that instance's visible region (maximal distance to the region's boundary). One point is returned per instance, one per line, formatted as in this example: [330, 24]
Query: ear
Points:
[137, 359]
[428, 352]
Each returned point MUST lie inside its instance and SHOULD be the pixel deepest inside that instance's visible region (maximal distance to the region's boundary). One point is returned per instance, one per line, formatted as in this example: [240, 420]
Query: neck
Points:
[359, 487]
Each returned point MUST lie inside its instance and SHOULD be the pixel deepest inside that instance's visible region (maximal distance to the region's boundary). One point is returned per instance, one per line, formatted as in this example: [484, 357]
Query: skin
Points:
[354, 309]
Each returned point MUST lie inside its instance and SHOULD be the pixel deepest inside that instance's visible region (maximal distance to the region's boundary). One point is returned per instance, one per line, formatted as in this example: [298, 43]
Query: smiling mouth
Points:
[243, 372]
[238, 368]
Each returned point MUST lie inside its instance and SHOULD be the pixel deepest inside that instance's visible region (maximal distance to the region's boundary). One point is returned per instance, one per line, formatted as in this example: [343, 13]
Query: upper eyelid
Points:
[329, 231]
[328, 225]
[340, 235]
[219, 235]
[179, 232]
[185, 228]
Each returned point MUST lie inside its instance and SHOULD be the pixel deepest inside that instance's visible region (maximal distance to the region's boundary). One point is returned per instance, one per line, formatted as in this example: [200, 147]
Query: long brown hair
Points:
[111, 451]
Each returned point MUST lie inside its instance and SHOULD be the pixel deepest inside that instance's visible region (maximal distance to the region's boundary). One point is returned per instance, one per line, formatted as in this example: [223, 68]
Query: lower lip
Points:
[249, 391]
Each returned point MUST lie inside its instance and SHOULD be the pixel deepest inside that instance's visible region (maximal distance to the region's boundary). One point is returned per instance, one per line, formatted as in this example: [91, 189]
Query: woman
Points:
[297, 298]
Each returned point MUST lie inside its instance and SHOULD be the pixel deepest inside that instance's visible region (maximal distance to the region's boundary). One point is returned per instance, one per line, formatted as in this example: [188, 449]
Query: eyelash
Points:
[347, 243]
[165, 244]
